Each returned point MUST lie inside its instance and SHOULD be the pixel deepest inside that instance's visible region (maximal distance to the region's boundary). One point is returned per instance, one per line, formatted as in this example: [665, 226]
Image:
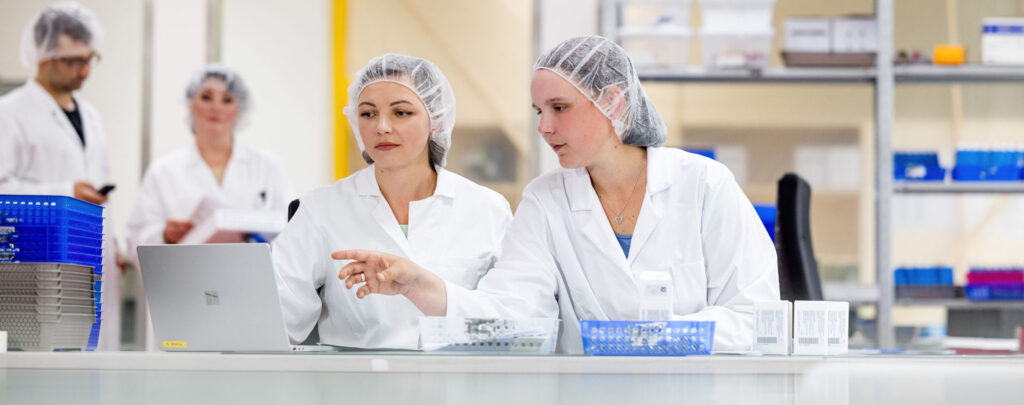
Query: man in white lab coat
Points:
[52, 142]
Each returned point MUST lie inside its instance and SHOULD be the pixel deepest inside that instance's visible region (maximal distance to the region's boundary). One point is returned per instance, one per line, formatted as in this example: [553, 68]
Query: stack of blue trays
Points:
[647, 338]
[55, 229]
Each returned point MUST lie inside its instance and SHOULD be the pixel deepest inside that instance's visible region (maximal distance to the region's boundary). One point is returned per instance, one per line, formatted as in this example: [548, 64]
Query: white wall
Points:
[559, 20]
[284, 54]
[178, 50]
[114, 87]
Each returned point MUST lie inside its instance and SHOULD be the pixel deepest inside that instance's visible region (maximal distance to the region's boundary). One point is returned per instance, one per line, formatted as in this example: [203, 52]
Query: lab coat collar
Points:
[582, 197]
[238, 154]
[43, 97]
[658, 176]
[366, 183]
[581, 194]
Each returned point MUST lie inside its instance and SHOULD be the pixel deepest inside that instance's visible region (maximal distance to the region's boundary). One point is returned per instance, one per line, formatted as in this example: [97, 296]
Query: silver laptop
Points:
[216, 297]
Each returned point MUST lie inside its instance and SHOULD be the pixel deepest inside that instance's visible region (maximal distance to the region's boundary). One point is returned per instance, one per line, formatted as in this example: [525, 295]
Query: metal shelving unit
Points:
[771, 75]
[958, 74]
[980, 187]
[884, 76]
[958, 303]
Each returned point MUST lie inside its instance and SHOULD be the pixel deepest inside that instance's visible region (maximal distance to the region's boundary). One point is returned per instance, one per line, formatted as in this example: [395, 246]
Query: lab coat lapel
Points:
[382, 215]
[589, 217]
[651, 211]
[60, 120]
[202, 171]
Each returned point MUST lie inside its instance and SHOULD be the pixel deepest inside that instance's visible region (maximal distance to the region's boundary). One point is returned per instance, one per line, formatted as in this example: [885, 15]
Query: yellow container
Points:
[949, 55]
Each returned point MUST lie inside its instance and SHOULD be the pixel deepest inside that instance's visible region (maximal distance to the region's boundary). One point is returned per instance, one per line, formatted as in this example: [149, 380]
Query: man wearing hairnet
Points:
[52, 141]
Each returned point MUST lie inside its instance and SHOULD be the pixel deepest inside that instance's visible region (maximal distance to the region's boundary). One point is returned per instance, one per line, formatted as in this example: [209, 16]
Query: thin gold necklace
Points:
[618, 216]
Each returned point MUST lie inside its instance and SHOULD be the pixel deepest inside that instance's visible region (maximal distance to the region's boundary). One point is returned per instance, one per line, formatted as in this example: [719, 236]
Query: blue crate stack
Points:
[54, 229]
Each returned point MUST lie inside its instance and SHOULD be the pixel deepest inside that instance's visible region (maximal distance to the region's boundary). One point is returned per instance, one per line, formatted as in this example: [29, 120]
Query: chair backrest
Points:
[798, 270]
[292, 208]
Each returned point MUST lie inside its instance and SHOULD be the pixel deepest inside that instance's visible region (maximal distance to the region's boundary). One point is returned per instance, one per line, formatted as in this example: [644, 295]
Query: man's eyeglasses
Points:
[79, 61]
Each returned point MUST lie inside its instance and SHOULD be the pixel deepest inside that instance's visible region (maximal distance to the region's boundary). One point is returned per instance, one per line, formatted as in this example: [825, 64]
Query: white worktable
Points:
[404, 378]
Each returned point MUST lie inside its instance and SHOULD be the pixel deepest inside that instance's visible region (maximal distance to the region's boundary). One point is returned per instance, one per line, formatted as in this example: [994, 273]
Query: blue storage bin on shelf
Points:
[647, 338]
[981, 165]
[923, 276]
[708, 153]
[917, 166]
[995, 292]
[998, 158]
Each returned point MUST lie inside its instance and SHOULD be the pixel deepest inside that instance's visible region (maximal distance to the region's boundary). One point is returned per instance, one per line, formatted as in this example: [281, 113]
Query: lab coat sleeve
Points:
[301, 264]
[148, 217]
[522, 284]
[739, 260]
[12, 161]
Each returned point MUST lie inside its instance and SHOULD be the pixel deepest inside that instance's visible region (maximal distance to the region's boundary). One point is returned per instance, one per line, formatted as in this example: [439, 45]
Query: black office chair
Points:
[292, 208]
[798, 270]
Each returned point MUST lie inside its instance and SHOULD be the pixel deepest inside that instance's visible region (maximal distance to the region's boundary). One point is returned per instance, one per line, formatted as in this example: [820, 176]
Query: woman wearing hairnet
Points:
[215, 166]
[622, 206]
[402, 111]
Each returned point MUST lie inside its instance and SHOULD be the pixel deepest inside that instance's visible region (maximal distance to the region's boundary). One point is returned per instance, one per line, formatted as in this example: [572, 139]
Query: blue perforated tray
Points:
[647, 338]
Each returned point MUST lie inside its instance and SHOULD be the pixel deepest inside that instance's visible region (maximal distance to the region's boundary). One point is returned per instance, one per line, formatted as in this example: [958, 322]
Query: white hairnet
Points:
[423, 78]
[39, 40]
[235, 85]
[594, 64]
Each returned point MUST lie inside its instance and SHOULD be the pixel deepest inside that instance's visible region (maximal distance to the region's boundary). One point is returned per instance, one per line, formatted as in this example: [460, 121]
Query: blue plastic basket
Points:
[36, 203]
[51, 256]
[647, 338]
[49, 234]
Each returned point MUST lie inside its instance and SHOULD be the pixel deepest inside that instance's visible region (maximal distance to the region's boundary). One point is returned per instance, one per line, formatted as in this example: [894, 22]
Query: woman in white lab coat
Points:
[215, 166]
[622, 206]
[402, 110]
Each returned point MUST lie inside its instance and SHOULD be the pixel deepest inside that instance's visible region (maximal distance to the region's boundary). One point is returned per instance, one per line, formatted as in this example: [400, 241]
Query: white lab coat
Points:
[175, 184]
[456, 233]
[561, 259]
[40, 153]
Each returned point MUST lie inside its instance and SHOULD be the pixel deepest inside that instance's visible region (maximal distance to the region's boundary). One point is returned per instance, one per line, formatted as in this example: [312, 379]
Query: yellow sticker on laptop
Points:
[169, 344]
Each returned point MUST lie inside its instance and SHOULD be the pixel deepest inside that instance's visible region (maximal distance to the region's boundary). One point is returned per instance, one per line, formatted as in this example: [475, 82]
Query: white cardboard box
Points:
[854, 35]
[773, 327]
[808, 34]
[1002, 41]
[231, 226]
[838, 327]
[810, 330]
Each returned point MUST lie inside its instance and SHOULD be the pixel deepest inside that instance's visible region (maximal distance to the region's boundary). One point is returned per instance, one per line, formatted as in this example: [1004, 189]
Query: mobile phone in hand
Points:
[106, 189]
